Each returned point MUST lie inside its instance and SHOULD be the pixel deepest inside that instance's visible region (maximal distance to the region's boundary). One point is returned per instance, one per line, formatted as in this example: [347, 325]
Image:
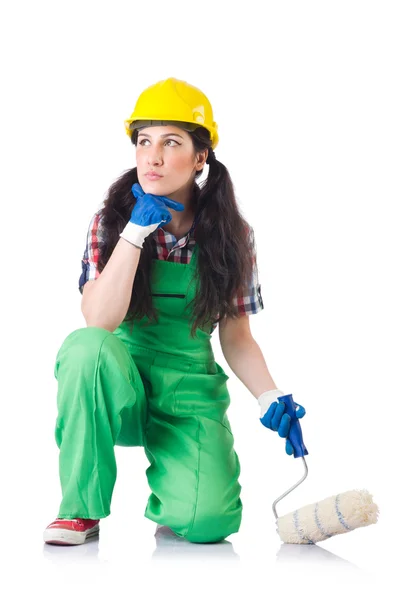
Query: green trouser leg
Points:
[199, 498]
[194, 470]
[101, 400]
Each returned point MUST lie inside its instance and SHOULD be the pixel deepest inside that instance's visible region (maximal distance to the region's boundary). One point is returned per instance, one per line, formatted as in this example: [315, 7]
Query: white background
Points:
[305, 97]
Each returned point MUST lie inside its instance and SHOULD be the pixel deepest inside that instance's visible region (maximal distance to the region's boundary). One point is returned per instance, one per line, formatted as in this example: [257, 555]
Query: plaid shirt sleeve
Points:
[89, 262]
[250, 302]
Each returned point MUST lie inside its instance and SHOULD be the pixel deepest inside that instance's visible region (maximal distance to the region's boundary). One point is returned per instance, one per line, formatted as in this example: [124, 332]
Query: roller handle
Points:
[295, 433]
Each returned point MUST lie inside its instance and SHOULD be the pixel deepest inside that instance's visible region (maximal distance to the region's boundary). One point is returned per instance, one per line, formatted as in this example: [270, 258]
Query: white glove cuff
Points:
[267, 398]
[136, 234]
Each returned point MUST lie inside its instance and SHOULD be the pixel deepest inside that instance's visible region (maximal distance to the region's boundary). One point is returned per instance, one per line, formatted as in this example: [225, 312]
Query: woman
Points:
[166, 262]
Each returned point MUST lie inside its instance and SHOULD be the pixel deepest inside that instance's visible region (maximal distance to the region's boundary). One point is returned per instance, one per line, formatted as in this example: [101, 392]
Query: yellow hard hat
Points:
[177, 101]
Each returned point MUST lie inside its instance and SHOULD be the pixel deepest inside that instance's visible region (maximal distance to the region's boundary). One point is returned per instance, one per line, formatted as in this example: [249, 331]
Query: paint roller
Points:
[321, 520]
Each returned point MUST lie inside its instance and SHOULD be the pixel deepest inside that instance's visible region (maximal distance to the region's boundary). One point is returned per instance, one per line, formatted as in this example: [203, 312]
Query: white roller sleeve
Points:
[136, 234]
[334, 515]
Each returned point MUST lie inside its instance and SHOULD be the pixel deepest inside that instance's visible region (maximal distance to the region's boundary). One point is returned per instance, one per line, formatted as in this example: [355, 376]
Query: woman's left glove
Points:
[273, 415]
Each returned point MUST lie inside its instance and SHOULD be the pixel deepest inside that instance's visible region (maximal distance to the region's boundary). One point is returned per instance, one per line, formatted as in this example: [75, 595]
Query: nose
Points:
[155, 158]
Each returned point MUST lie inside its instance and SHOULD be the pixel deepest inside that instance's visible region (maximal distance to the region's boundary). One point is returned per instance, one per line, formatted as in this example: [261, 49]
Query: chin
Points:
[155, 188]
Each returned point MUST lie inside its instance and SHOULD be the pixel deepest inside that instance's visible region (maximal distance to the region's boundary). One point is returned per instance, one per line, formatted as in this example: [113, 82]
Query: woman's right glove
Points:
[274, 417]
[148, 213]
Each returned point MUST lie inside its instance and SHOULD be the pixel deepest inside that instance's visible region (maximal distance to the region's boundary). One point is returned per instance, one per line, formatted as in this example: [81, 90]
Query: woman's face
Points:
[168, 151]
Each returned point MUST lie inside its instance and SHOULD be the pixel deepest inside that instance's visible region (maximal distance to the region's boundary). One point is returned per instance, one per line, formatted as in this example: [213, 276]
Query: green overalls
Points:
[155, 387]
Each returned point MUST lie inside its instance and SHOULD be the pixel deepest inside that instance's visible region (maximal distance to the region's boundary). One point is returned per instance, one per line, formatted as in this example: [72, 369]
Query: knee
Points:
[82, 345]
[212, 527]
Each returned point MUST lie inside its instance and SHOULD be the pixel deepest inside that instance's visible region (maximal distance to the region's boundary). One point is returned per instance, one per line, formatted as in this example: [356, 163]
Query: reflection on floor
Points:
[310, 553]
[169, 546]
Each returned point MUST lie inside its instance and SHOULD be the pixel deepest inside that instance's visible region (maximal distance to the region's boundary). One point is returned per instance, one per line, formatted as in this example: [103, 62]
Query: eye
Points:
[168, 140]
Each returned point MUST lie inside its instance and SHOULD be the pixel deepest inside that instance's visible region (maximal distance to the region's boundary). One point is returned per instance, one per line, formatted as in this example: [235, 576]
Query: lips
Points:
[152, 176]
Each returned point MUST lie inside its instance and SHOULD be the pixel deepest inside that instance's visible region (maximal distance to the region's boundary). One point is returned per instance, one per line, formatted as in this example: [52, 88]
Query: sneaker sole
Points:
[65, 537]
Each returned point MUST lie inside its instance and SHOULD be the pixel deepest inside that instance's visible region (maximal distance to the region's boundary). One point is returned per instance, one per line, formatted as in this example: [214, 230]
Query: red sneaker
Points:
[69, 532]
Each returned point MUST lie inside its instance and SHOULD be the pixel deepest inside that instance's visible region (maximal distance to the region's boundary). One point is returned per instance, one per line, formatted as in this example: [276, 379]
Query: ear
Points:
[201, 159]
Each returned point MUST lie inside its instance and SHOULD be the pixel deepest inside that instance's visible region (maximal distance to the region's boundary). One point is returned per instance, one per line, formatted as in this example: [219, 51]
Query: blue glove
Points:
[147, 214]
[274, 416]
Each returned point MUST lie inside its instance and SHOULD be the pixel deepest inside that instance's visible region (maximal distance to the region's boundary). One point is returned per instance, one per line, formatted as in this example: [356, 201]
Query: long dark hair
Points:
[226, 241]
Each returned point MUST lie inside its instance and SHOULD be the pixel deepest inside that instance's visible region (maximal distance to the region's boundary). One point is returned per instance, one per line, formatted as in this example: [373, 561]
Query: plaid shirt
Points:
[171, 249]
